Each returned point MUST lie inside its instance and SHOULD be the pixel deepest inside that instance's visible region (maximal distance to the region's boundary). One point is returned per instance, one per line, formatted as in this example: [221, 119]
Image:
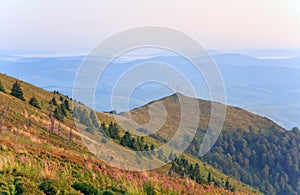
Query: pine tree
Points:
[113, 131]
[209, 178]
[196, 173]
[125, 141]
[34, 102]
[17, 91]
[2, 88]
[132, 143]
[58, 114]
[171, 156]
[94, 119]
[160, 153]
[146, 147]
[227, 184]
[67, 105]
[104, 130]
[152, 147]
[84, 118]
[53, 101]
[63, 109]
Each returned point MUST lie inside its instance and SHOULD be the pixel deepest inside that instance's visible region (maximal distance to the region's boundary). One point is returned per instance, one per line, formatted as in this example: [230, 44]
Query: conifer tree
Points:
[17, 91]
[63, 109]
[34, 102]
[58, 114]
[209, 178]
[67, 105]
[53, 101]
[94, 119]
[227, 184]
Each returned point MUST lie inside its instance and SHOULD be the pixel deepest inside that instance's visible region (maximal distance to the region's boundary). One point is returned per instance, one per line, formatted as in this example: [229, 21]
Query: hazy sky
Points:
[216, 24]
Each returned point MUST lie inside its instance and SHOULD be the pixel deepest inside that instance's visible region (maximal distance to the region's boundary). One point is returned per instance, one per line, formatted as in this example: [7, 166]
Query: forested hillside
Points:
[268, 158]
[251, 148]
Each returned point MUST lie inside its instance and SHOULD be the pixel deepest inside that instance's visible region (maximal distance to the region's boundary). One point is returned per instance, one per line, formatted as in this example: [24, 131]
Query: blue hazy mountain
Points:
[269, 87]
[270, 52]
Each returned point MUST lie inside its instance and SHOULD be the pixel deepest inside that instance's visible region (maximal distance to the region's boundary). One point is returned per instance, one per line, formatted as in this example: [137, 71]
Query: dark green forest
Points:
[267, 159]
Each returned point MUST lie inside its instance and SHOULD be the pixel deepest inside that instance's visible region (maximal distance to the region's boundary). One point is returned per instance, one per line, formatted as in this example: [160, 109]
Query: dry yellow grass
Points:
[236, 118]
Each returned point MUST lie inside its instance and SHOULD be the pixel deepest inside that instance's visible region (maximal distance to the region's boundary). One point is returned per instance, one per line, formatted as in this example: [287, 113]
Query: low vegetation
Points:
[42, 153]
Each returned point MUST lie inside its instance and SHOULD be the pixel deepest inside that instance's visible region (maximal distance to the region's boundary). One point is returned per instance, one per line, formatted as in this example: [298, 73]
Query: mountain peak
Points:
[236, 118]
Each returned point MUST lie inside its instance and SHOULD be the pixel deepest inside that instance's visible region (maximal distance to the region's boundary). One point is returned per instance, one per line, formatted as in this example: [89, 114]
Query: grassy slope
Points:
[32, 155]
[235, 117]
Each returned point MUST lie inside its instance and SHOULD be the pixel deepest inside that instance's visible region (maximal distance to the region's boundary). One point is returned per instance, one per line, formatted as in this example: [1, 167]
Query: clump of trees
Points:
[184, 168]
[60, 108]
[137, 143]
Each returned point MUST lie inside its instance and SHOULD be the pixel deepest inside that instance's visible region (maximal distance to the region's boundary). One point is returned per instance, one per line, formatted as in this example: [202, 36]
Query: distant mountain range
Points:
[271, 53]
[269, 87]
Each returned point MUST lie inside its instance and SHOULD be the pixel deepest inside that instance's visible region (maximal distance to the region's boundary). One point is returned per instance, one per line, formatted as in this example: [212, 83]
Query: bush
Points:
[148, 188]
[85, 188]
[108, 193]
[18, 186]
[34, 102]
[47, 188]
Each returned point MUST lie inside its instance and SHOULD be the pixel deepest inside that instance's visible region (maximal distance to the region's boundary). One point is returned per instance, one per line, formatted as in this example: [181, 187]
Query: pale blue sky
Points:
[216, 24]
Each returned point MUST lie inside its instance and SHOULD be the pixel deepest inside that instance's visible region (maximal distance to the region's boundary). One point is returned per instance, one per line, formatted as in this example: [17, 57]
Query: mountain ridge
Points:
[232, 119]
[249, 147]
[37, 159]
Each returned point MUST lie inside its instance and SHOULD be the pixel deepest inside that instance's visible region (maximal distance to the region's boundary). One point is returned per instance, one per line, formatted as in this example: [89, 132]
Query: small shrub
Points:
[34, 102]
[18, 186]
[85, 188]
[116, 190]
[106, 192]
[148, 188]
[47, 188]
